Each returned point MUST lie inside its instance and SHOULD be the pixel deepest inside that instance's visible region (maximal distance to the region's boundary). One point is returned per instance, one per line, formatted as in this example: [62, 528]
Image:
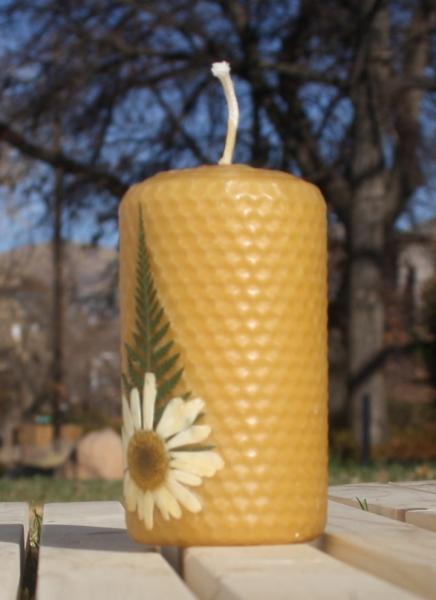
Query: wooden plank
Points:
[14, 526]
[397, 552]
[426, 485]
[422, 518]
[386, 500]
[86, 553]
[281, 572]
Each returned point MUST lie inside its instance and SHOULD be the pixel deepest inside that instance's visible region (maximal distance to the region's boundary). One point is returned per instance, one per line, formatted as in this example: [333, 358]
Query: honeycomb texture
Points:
[239, 260]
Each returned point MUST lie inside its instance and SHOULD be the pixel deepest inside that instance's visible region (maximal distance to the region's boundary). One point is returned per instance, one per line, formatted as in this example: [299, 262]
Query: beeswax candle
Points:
[223, 275]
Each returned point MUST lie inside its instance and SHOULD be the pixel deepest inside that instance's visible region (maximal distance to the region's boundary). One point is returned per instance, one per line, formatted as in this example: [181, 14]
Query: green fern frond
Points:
[166, 366]
[160, 334]
[168, 385]
[150, 351]
[163, 351]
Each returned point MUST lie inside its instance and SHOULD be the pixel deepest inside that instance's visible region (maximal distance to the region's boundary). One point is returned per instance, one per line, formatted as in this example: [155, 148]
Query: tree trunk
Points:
[58, 387]
[366, 309]
[366, 238]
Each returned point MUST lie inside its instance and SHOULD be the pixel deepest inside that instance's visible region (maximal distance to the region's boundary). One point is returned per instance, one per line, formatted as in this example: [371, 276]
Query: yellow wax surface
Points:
[239, 260]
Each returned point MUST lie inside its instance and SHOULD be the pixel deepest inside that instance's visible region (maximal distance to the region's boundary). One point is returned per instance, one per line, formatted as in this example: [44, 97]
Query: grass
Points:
[39, 490]
[381, 471]
[363, 503]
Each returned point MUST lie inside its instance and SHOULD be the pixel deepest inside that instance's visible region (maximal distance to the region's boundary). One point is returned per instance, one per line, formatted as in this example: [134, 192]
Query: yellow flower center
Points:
[147, 459]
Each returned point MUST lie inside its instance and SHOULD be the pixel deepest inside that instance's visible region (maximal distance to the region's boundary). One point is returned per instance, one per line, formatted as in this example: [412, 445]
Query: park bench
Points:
[379, 544]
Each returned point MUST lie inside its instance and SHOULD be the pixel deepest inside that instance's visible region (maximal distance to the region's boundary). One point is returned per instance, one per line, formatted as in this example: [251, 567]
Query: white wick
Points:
[222, 71]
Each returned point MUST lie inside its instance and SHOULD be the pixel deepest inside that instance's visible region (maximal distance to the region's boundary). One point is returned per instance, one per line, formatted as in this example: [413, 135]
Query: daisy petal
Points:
[178, 415]
[184, 496]
[135, 407]
[172, 419]
[167, 499]
[204, 463]
[193, 435]
[148, 510]
[193, 409]
[160, 503]
[149, 399]
[129, 493]
[127, 417]
[185, 477]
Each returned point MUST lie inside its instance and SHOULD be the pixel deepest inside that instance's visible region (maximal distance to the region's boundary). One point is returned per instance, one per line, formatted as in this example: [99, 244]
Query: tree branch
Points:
[59, 160]
[407, 174]
[302, 73]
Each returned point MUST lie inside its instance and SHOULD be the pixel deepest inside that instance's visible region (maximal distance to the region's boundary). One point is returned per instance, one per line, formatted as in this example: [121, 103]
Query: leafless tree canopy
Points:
[340, 91]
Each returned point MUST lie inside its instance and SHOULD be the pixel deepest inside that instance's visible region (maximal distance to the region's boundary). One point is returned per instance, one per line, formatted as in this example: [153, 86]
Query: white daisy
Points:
[160, 462]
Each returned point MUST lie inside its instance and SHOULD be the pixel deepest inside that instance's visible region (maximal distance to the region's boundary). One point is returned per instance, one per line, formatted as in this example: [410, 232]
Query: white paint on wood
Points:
[299, 571]
[397, 552]
[86, 554]
[386, 500]
[14, 525]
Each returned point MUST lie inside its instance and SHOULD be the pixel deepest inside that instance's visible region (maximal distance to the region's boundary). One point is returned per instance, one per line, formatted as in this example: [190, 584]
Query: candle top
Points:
[233, 178]
[229, 172]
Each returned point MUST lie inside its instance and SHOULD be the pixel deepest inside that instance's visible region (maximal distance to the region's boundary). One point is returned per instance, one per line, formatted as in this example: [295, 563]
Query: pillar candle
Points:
[223, 315]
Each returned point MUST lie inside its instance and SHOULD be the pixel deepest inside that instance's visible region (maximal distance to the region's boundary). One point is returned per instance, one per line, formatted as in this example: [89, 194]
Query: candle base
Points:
[194, 530]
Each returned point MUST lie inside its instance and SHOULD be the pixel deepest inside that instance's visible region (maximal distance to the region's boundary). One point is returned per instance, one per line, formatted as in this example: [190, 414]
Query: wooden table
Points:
[385, 552]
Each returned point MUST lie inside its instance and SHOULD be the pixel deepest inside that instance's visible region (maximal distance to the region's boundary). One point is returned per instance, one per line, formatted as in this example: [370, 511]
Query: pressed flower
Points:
[162, 461]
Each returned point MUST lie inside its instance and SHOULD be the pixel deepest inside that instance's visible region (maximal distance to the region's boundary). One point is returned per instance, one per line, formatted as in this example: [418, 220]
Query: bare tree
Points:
[339, 91]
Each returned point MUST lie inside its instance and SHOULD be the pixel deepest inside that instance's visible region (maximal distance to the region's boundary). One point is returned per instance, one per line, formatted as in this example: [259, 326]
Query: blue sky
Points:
[26, 225]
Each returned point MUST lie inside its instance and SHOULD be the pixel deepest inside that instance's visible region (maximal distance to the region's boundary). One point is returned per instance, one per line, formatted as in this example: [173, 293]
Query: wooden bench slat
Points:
[385, 500]
[391, 501]
[86, 553]
[14, 527]
[281, 572]
[424, 485]
[395, 551]
[422, 518]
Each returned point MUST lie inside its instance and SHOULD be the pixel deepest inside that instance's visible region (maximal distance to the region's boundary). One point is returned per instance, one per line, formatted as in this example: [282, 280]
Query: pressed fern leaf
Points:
[151, 350]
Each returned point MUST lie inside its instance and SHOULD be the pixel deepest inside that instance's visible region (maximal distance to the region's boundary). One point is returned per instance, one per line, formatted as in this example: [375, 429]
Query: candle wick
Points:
[221, 70]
